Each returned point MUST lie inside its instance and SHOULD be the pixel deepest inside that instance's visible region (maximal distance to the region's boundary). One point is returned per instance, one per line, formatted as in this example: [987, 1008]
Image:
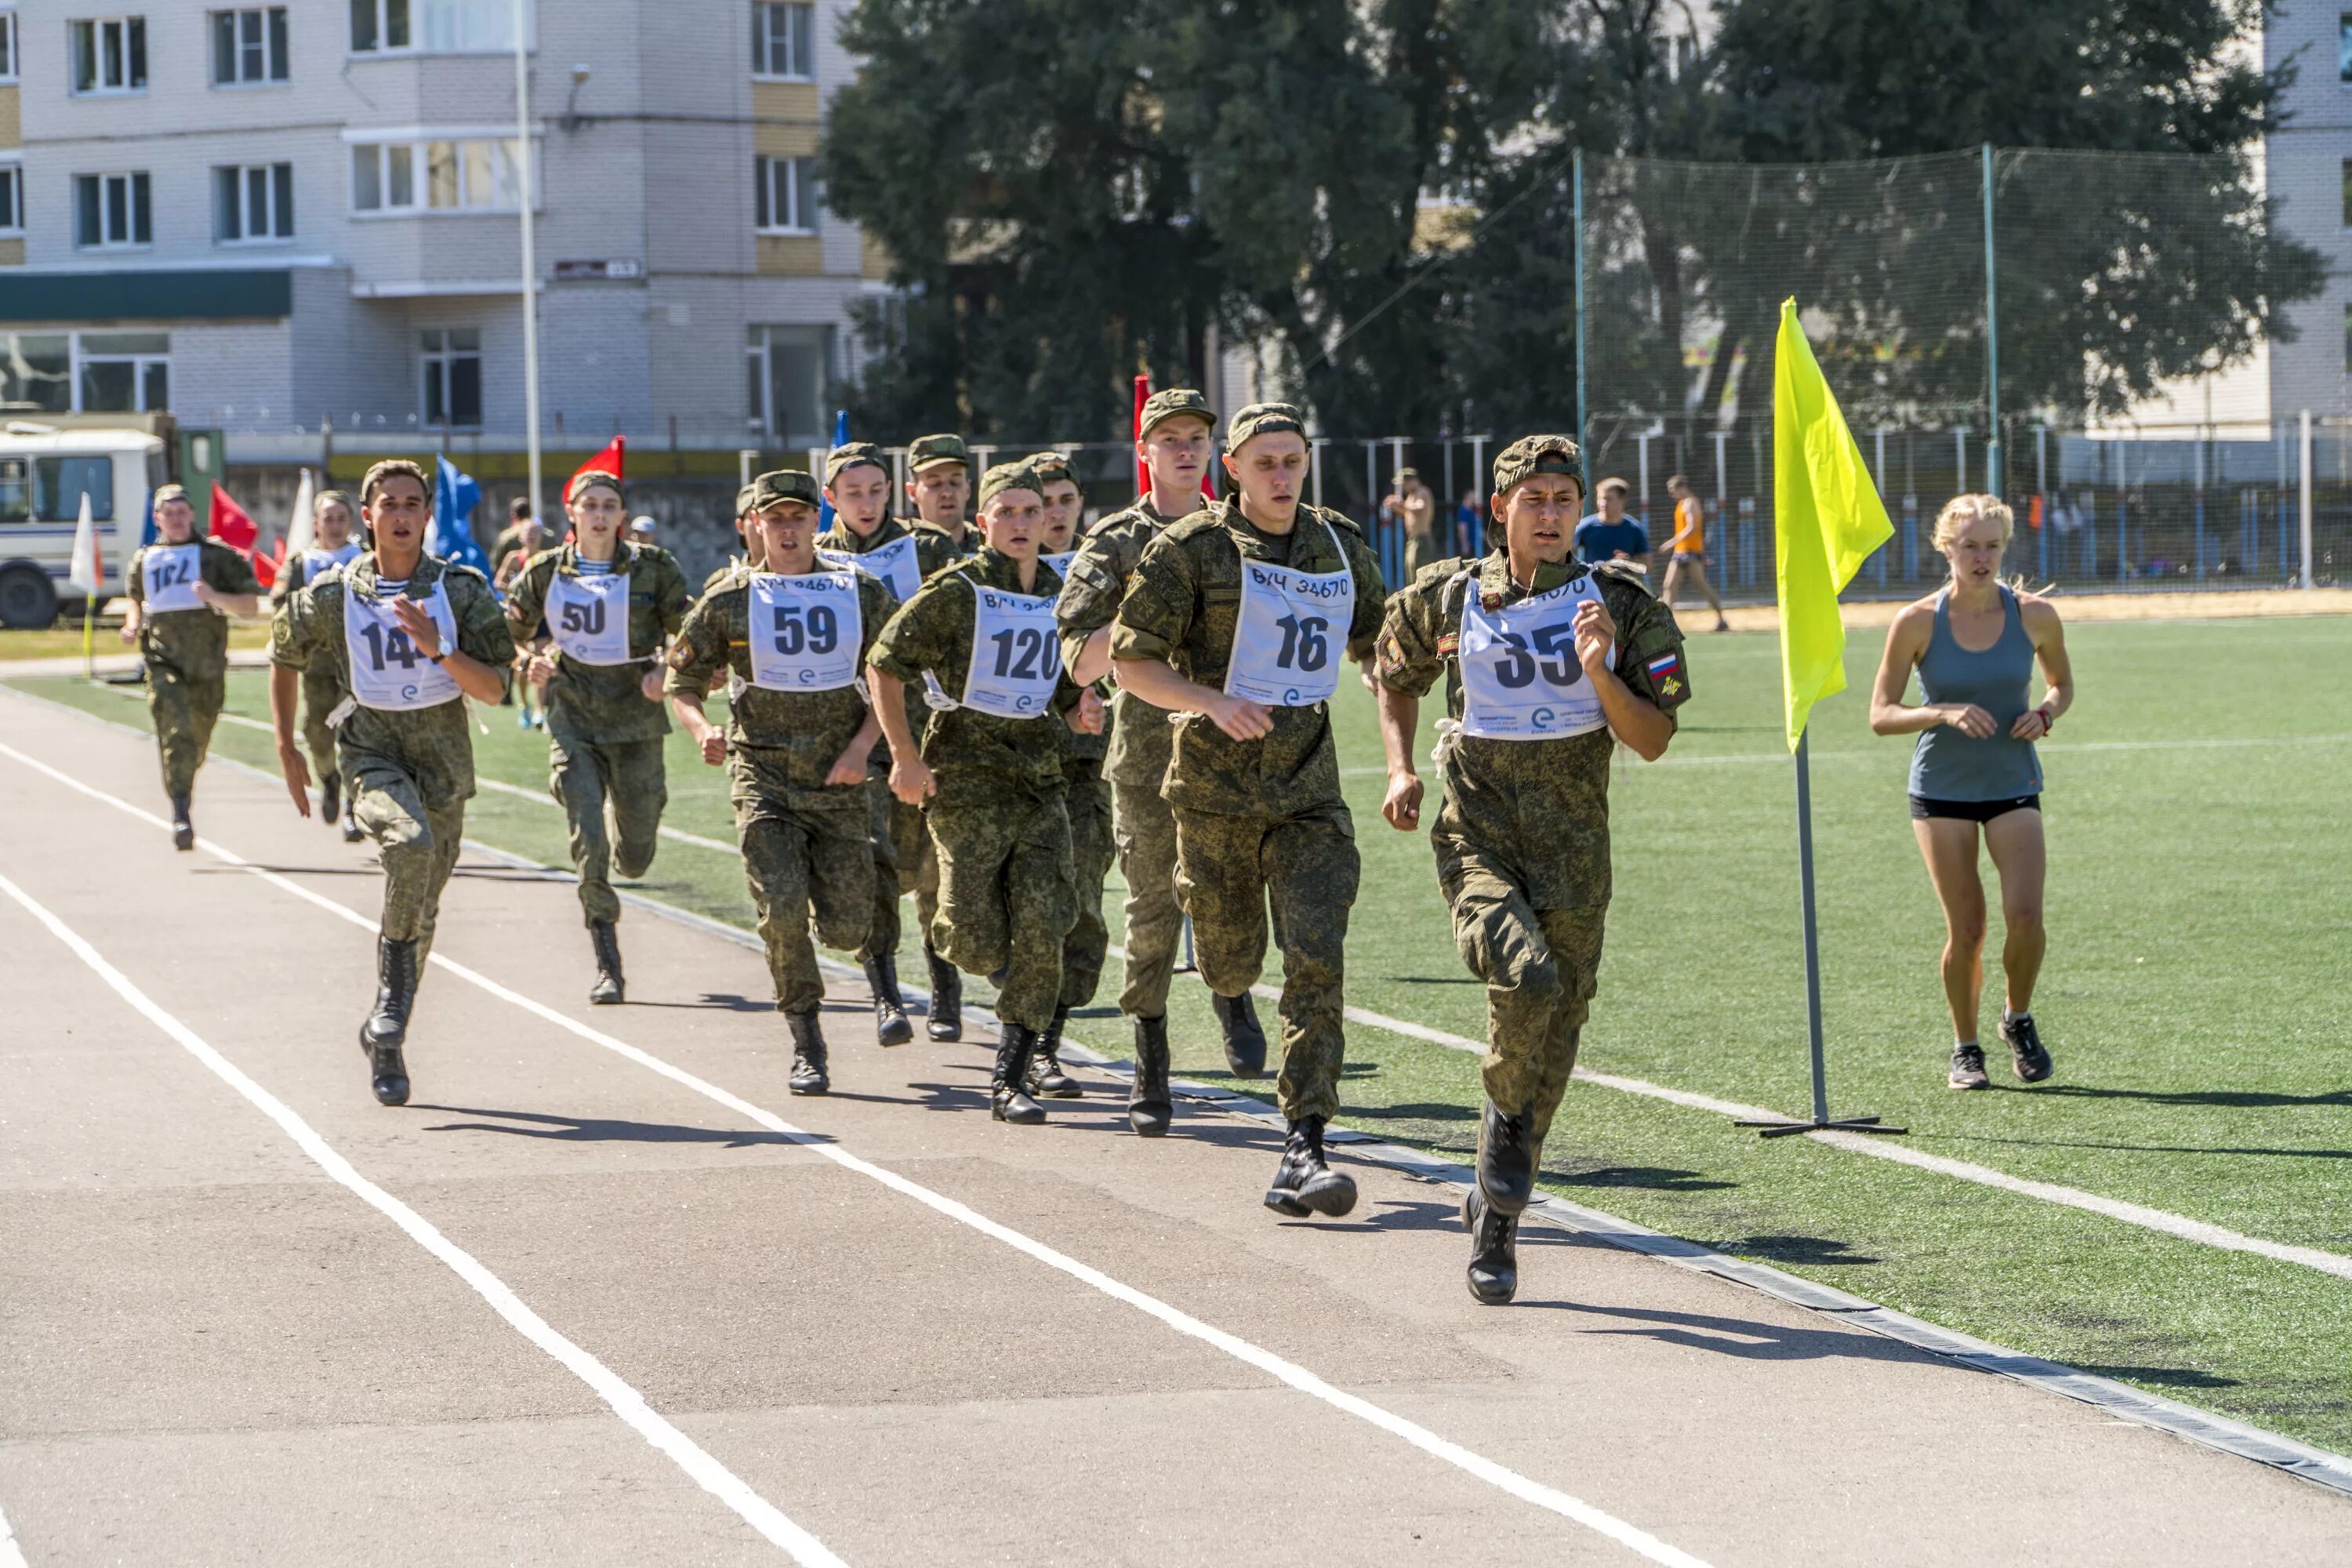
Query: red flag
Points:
[1142, 396]
[609, 460]
[230, 524]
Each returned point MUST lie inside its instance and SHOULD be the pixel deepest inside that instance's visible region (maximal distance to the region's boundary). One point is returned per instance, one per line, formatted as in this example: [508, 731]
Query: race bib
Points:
[388, 671]
[589, 617]
[1520, 677]
[316, 563]
[1015, 656]
[1060, 563]
[893, 565]
[171, 572]
[806, 631]
[1291, 633]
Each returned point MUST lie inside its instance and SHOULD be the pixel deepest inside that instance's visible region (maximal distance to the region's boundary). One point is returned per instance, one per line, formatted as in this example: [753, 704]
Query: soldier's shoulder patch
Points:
[681, 654]
[1670, 687]
[1449, 642]
[1392, 653]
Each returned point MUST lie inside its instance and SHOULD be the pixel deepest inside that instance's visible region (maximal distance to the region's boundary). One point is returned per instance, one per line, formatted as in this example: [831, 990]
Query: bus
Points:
[45, 471]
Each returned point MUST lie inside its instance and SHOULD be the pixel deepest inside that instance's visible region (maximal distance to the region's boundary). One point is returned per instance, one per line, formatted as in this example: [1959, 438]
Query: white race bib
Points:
[171, 572]
[1520, 677]
[1060, 563]
[893, 565]
[317, 563]
[1017, 656]
[388, 672]
[1291, 636]
[589, 617]
[806, 631]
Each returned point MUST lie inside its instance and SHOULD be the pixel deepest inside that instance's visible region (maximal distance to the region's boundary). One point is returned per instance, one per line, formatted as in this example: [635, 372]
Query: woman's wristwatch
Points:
[2048, 719]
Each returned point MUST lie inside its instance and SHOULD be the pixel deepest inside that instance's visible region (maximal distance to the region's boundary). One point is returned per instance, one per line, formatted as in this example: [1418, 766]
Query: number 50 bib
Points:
[388, 671]
[589, 617]
[806, 631]
[1016, 656]
[1520, 677]
[1291, 630]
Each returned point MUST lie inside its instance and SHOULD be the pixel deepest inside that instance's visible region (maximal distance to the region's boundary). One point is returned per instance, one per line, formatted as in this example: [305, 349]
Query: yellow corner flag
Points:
[1827, 518]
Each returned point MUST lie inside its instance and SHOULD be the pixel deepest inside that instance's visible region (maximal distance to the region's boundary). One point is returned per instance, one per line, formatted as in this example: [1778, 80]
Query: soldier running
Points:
[1548, 662]
[1239, 619]
[409, 634]
[990, 766]
[183, 587]
[332, 546]
[798, 737]
[595, 613]
[1175, 444]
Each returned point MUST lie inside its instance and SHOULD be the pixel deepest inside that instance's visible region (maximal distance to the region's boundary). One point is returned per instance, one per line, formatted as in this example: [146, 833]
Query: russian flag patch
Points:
[1664, 664]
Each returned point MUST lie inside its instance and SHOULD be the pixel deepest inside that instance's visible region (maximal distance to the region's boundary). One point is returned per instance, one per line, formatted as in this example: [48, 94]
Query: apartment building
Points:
[263, 217]
[2308, 165]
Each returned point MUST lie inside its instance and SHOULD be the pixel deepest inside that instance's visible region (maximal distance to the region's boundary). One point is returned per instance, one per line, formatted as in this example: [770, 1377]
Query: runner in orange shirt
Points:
[1689, 547]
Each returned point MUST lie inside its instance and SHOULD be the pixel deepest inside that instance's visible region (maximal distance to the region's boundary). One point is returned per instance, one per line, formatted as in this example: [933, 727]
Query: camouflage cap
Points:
[1404, 474]
[850, 455]
[1171, 402]
[929, 451]
[1532, 455]
[1004, 476]
[170, 492]
[743, 498]
[1052, 466]
[1263, 420]
[782, 485]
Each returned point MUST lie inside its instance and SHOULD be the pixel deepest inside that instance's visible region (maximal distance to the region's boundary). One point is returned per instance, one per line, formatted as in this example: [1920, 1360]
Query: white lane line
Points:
[1507, 1480]
[625, 1402]
[11, 1554]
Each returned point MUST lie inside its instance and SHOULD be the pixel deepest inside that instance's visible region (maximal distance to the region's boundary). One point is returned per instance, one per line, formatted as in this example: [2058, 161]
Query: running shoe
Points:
[1968, 1068]
[2027, 1053]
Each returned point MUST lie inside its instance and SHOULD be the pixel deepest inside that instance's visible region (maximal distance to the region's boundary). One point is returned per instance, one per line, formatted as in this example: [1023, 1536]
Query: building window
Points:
[788, 369]
[109, 55]
[36, 369]
[480, 175]
[785, 198]
[449, 370]
[111, 211]
[86, 372]
[8, 45]
[248, 47]
[782, 40]
[253, 203]
[435, 27]
[2344, 46]
[12, 199]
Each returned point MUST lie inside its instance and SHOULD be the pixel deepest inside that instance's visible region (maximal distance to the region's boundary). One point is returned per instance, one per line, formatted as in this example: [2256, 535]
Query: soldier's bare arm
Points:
[284, 702]
[482, 682]
[910, 777]
[707, 737]
[849, 768]
[1158, 684]
[1400, 717]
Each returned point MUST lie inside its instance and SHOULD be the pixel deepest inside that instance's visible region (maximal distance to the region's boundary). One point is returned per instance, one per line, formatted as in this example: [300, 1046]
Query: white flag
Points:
[87, 572]
[301, 528]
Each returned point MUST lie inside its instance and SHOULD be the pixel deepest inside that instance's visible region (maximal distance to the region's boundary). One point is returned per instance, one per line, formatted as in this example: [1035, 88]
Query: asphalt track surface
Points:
[604, 1291]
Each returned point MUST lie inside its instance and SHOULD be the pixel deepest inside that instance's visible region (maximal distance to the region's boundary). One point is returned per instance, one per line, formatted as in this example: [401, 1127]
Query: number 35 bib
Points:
[806, 631]
[1016, 656]
[1520, 677]
[589, 617]
[1292, 627]
[388, 671]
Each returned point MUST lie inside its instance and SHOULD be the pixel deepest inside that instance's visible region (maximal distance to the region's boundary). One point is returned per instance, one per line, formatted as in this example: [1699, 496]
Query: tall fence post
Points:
[2303, 476]
[1578, 250]
[1992, 337]
[1315, 466]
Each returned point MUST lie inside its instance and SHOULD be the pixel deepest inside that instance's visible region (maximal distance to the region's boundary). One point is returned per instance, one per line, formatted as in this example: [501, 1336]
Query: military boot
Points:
[947, 998]
[808, 1054]
[183, 833]
[1494, 1275]
[1303, 1183]
[1245, 1041]
[609, 988]
[1506, 1159]
[890, 1026]
[387, 1027]
[1046, 1078]
[1148, 1109]
[330, 794]
[1008, 1098]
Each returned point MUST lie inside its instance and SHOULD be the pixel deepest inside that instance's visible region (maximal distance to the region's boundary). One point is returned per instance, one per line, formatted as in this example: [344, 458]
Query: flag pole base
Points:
[1837, 1124]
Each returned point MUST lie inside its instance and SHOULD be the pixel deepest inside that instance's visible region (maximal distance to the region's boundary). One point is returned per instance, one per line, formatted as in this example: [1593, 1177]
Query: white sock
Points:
[1964, 1045]
[2007, 1018]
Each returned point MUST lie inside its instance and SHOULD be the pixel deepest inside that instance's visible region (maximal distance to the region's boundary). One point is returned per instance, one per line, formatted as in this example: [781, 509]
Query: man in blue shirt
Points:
[1608, 535]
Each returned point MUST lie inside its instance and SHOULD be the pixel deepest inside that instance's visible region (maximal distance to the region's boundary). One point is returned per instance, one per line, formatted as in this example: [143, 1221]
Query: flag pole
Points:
[88, 622]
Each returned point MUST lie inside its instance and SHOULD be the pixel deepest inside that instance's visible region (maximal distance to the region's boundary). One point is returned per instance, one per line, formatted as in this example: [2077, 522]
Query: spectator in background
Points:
[1469, 525]
[1413, 504]
[1689, 547]
[1608, 535]
[522, 535]
[641, 530]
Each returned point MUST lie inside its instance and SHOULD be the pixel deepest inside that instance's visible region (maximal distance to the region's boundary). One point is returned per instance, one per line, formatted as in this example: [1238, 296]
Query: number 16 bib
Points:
[1291, 628]
[1015, 655]
[388, 671]
[1520, 677]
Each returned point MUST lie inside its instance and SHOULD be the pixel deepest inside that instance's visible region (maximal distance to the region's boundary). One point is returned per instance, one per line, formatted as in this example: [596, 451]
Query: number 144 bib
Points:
[1520, 677]
[1290, 631]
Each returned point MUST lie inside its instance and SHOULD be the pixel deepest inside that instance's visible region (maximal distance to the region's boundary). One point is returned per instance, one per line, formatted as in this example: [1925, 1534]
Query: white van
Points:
[45, 471]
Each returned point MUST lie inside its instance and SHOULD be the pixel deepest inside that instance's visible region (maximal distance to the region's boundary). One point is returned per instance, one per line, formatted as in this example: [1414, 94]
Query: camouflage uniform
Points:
[805, 848]
[998, 824]
[605, 736]
[1522, 835]
[1140, 739]
[1257, 819]
[409, 773]
[186, 654]
[322, 688]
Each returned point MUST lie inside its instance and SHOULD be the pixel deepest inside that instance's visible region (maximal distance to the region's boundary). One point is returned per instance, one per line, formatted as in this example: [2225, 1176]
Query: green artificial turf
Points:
[2199, 856]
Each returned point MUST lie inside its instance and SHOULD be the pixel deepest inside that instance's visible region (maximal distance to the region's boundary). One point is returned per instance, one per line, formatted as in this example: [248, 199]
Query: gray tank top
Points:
[1949, 765]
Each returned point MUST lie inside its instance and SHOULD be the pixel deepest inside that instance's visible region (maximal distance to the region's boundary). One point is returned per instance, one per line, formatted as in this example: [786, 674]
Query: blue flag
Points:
[840, 439]
[455, 496]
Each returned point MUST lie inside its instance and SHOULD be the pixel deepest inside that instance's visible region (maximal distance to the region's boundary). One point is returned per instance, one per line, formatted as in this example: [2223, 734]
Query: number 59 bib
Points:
[1016, 656]
[1520, 677]
[388, 671]
[1290, 633]
[589, 617]
[171, 571]
[806, 631]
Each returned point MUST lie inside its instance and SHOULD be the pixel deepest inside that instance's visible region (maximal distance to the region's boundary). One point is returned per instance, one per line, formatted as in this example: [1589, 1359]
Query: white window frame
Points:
[417, 18]
[759, 349]
[126, 27]
[8, 44]
[130, 179]
[277, 204]
[790, 203]
[275, 43]
[798, 40]
[473, 156]
[140, 363]
[441, 358]
[12, 193]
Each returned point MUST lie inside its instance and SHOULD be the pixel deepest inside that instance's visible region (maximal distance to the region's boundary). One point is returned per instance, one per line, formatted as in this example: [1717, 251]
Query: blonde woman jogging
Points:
[1975, 644]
